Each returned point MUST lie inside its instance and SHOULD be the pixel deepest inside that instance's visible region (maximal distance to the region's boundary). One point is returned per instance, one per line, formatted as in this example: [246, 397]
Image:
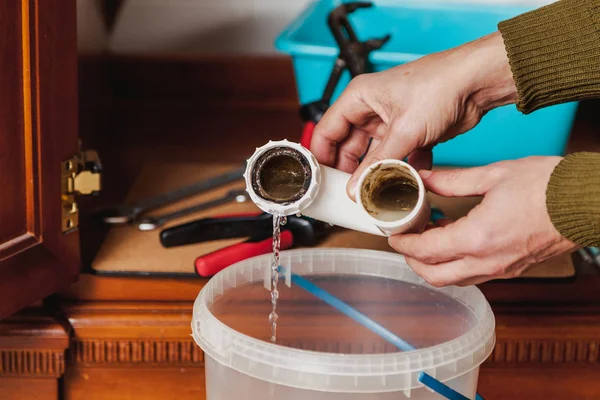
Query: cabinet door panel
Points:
[38, 130]
[13, 198]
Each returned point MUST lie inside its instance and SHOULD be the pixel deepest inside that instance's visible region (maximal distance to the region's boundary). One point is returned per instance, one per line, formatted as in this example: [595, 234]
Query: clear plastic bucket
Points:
[320, 353]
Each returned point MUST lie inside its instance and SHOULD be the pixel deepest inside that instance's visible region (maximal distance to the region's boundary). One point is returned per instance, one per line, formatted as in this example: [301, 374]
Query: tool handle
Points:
[209, 264]
[209, 229]
[307, 133]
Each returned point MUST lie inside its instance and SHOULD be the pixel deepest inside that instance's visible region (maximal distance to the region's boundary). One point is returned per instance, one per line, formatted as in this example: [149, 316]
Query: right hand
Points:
[408, 109]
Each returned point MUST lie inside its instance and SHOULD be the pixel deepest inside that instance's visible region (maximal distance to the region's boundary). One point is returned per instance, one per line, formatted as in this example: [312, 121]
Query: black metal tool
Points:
[259, 227]
[153, 222]
[354, 55]
[130, 213]
[306, 231]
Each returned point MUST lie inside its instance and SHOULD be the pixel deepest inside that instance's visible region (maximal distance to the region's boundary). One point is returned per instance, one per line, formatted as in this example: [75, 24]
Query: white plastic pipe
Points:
[392, 222]
[324, 195]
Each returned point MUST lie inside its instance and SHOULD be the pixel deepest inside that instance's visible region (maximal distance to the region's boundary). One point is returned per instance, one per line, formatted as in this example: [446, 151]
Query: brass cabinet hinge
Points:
[80, 176]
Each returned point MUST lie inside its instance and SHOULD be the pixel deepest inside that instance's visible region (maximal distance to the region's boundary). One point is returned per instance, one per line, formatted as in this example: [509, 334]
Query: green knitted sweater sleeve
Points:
[573, 198]
[554, 54]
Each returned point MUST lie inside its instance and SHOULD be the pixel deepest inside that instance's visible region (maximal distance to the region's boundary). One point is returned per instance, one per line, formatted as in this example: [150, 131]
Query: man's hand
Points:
[408, 109]
[500, 238]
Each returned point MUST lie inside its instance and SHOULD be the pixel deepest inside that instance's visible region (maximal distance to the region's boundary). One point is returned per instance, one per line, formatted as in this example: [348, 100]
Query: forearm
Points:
[554, 53]
[546, 57]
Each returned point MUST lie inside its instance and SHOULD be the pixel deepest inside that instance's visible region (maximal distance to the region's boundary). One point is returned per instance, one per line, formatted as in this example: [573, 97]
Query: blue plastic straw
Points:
[440, 388]
[350, 312]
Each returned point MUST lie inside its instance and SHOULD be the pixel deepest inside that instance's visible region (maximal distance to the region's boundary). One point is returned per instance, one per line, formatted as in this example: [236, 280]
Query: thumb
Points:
[392, 147]
[459, 182]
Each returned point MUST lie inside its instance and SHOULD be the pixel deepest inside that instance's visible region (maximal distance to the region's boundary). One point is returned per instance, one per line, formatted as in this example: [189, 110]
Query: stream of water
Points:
[278, 220]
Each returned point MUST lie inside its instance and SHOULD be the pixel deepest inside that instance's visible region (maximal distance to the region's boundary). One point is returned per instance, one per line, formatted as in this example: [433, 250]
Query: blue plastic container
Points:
[418, 29]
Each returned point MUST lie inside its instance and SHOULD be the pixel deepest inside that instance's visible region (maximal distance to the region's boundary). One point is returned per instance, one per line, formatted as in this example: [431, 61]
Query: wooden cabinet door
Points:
[38, 130]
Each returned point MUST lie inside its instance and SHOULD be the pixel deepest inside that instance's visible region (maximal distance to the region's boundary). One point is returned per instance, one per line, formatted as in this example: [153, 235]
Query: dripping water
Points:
[278, 220]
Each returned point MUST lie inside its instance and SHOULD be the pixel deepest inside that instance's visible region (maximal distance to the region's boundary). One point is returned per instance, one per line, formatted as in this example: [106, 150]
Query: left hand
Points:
[509, 231]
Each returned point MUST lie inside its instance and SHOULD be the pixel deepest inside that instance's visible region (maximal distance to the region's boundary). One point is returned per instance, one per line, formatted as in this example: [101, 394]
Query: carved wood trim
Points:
[546, 351]
[32, 344]
[186, 352]
[157, 334]
[506, 352]
[137, 352]
[31, 363]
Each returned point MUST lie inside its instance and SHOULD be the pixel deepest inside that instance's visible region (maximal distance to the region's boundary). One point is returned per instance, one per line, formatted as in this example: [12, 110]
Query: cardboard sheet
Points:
[126, 249]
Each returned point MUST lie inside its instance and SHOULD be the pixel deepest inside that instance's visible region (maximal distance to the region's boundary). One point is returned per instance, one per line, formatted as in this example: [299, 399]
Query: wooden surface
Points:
[537, 382]
[160, 383]
[127, 249]
[13, 214]
[138, 350]
[38, 130]
[32, 356]
[29, 388]
[218, 81]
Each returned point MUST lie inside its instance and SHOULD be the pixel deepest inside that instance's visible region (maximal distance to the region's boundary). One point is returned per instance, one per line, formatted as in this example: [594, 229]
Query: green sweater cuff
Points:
[573, 198]
[554, 53]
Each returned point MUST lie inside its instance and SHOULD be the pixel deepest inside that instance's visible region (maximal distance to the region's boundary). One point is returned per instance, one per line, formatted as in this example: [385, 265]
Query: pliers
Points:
[354, 55]
[258, 227]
